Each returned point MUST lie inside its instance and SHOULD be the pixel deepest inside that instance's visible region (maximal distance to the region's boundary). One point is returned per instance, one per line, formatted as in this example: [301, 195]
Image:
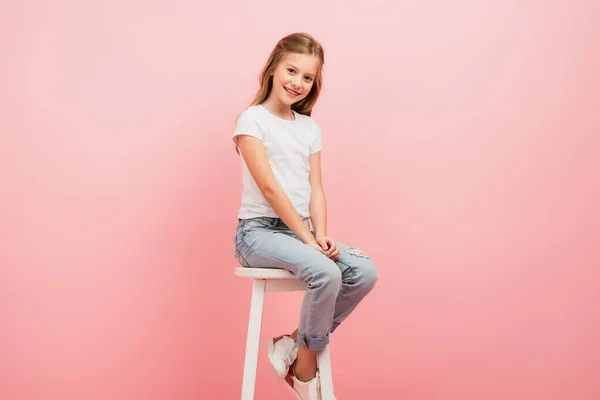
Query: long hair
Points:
[299, 43]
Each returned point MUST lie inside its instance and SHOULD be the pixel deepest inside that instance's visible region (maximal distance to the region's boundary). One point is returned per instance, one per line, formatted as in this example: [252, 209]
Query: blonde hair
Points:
[299, 43]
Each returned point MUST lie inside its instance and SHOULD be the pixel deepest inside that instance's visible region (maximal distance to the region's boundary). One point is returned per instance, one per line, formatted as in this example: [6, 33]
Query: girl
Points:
[283, 215]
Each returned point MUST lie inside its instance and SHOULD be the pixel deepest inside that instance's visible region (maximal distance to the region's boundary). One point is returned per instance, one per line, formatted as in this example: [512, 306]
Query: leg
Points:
[359, 275]
[260, 246]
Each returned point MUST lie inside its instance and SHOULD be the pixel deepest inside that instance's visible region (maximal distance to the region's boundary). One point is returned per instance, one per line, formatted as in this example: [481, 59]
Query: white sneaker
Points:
[310, 390]
[282, 354]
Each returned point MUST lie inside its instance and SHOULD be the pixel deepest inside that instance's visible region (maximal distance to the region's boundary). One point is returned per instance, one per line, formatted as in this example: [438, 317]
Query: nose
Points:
[296, 82]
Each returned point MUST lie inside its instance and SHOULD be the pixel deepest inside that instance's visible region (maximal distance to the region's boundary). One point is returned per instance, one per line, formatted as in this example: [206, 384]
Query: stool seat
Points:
[273, 280]
[263, 273]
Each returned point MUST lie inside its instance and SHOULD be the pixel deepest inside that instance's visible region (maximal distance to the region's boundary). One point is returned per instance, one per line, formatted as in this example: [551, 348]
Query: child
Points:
[280, 147]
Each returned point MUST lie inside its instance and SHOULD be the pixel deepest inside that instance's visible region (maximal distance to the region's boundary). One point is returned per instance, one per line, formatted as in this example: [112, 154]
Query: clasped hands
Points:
[327, 246]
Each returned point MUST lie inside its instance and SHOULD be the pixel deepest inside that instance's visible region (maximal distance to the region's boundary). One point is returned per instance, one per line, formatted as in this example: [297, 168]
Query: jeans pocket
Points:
[253, 224]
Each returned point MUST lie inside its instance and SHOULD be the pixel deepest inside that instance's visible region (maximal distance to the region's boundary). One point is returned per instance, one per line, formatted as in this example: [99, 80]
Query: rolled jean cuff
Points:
[312, 343]
[334, 326]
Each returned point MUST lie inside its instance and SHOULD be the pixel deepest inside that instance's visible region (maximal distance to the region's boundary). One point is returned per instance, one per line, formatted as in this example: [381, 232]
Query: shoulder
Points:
[253, 116]
[251, 122]
[251, 113]
[309, 121]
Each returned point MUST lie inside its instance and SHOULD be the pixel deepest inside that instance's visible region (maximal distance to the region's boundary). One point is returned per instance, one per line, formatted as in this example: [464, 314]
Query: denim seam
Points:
[242, 257]
[334, 326]
[345, 286]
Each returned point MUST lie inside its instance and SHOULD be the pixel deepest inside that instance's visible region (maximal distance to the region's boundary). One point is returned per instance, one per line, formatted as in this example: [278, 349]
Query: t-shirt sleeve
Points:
[316, 144]
[247, 125]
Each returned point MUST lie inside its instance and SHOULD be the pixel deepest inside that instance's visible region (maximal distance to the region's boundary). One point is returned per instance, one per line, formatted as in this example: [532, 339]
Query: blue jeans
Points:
[333, 288]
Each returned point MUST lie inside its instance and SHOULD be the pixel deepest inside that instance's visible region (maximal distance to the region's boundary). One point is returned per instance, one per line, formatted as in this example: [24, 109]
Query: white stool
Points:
[273, 280]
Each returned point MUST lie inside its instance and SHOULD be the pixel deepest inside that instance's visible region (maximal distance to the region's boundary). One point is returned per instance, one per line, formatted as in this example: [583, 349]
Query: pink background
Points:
[461, 152]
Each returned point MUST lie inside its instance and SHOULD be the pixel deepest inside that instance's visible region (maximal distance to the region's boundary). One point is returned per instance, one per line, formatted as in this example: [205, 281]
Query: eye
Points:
[290, 70]
[308, 78]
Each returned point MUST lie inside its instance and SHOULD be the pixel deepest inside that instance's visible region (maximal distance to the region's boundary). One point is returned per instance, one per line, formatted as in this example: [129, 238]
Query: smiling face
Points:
[294, 77]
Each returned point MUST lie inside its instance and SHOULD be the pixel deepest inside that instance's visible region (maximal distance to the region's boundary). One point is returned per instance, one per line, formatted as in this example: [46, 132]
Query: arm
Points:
[255, 156]
[318, 205]
[318, 209]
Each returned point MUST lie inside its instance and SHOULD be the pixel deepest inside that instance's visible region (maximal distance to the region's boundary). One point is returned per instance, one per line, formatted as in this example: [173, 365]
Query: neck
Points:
[275, 106]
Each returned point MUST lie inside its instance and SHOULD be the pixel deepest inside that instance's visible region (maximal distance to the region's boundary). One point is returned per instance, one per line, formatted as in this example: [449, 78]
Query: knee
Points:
[368, 275]
[327, 276]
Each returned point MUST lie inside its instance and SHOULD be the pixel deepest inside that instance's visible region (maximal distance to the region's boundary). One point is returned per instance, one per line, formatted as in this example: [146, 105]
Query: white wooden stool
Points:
[273, 280]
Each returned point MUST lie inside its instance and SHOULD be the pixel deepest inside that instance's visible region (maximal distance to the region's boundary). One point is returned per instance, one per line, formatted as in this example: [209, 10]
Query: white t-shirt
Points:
[288, 145]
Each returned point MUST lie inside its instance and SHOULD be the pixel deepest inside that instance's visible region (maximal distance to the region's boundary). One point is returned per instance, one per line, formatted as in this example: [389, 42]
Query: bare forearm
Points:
[283, 206]
[318, 213]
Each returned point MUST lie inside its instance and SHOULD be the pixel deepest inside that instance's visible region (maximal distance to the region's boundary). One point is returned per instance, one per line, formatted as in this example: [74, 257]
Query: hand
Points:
[315, 246]
[329, 246]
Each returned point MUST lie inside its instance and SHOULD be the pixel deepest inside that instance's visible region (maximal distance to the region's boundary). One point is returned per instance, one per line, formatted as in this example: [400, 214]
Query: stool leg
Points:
[253, 339]
[324, 364]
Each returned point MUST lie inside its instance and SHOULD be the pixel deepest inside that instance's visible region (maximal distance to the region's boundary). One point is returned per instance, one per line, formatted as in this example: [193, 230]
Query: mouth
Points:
[290, 91]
